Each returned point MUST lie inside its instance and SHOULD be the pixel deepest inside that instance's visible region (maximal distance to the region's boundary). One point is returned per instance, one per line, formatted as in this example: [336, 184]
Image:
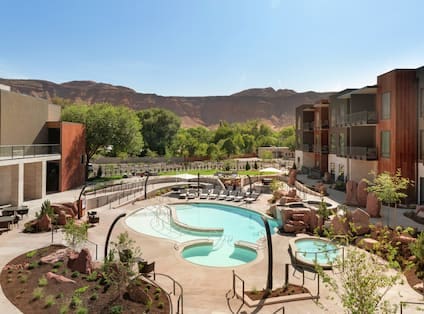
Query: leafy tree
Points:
[75, 234]
[288, 137]
[389, 188]
[106, 125]
[362, 284]
[228, 146]
[417, 248]
[159, 128]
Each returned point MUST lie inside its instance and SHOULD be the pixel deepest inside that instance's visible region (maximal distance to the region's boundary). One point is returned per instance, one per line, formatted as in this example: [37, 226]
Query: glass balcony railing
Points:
[364, 153]
[308, 126]
[362, 117]
[308, 148]
[27, 151]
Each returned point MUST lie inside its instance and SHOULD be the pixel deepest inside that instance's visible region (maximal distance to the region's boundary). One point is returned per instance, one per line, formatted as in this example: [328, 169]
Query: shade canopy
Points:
[270, 169]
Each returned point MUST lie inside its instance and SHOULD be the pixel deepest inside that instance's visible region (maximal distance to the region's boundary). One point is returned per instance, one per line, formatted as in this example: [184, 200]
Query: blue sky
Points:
[211, 47]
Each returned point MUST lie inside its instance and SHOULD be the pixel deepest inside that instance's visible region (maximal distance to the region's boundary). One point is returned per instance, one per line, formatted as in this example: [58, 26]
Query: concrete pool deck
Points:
[205, 288]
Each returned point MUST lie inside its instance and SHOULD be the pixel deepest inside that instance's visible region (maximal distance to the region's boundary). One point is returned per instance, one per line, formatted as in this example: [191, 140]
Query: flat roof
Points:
[372, 89]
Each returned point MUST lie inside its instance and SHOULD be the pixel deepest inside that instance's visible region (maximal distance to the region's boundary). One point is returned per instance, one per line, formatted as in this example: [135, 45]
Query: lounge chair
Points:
[213, 194]
[239, 197]
[252, 197]
[191, 194]
[223, 195]
[231, 195]
[204, 194]
[183, 194]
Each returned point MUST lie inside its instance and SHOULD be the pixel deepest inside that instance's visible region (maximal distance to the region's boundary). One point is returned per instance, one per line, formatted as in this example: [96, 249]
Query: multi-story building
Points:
[321, 125]
[420, 113]
[304, 153]
[397, 126]
[38, 152]
[374, 128]
[353, 153]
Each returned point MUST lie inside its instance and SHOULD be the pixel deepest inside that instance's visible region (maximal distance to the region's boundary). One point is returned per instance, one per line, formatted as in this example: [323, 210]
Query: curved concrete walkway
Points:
[205, 288]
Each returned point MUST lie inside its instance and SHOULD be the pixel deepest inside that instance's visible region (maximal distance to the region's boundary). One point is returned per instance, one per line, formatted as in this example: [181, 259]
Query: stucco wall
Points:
[5, 184]
[22, 119]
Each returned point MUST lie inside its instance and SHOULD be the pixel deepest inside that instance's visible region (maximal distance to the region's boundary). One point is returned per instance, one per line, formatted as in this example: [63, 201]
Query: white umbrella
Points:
[270, 169]
[185, 176]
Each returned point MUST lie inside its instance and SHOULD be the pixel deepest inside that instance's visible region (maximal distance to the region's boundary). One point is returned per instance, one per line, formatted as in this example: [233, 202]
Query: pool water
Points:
[238, 224]
[322, 252]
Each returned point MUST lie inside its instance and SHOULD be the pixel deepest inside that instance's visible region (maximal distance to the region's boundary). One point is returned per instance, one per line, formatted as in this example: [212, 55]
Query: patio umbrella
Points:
[270, 169]
[185, 176]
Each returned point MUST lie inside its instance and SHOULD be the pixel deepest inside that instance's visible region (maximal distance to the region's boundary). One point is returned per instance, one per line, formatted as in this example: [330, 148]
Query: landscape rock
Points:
[137, 294]
[81, 262]
[58, 278]
[373, 206]
[59, 255]
[292, 177]
[361, 221]
[339, 225]
[351, 191]
[361, 194]
[44, 223]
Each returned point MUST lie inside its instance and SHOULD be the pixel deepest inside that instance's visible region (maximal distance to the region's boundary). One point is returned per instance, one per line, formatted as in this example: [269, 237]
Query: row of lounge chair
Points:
[216, 194]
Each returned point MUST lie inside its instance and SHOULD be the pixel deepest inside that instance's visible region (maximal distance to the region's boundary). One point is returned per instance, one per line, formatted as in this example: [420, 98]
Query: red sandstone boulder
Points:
[292, 177]
[61, 207]
[137, 294]
[373, 205]
[361, 193]
[339, 225]
[55, 257]
[58, 278]
[351, 191]
[44, 223]
[298, 216]
[361, 221]
[81, 262]
[291, 193]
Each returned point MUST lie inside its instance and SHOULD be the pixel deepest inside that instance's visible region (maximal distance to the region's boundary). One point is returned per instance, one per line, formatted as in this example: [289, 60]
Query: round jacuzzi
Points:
[314, 250]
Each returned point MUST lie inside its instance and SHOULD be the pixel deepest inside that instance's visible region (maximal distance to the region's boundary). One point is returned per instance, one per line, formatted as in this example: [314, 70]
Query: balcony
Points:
[28, 151]
[363, 153]
[321, 149]
[308, 126]
[362, 118]
[308, 148]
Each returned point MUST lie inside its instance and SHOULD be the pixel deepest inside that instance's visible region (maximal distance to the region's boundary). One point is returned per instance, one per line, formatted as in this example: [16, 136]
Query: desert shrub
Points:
[42, 281]
[38, 293]
[49, 301]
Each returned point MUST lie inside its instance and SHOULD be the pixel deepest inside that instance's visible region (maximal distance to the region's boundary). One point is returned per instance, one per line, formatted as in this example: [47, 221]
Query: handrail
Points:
[235, 276]
[402, 303]
[180, 299]
[322, 252]
[89, 241]
[32, 150]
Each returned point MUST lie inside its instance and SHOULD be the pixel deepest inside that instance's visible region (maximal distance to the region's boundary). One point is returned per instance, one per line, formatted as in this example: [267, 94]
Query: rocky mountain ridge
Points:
[273, 107]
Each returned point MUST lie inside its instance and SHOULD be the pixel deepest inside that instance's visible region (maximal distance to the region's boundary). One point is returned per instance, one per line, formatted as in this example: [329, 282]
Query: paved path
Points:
[205, 288]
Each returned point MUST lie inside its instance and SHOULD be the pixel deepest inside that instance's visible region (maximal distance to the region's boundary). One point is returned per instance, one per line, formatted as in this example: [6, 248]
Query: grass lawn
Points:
[203, 172]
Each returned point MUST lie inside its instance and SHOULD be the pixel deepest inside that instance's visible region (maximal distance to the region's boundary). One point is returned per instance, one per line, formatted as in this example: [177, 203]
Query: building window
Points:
[341, 144]
[385, 144]
[385, 106]
[332, 167]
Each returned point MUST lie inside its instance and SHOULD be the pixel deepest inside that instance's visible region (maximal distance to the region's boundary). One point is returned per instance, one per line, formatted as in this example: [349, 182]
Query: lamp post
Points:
[79, 201]
[270, 262]
[145, 185]
[110, 232]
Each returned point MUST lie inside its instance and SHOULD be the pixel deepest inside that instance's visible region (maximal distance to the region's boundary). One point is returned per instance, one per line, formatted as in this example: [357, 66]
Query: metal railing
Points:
[308, 148]
[366, 153]
[235, 276]
[308, 126]
[24, 151]
[362, 117]
[420, 306]
[180, 299]
[326, 253]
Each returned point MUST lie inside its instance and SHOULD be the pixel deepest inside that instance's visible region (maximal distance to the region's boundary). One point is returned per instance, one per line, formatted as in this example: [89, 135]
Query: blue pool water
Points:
[322, 251]
[238, 224]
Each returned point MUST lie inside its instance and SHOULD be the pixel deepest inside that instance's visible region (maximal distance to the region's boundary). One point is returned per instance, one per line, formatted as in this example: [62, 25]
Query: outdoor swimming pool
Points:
[230, 227]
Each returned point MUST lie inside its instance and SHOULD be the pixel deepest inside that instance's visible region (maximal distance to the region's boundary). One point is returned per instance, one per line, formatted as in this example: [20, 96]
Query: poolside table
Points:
[6, 221]
[18, 210]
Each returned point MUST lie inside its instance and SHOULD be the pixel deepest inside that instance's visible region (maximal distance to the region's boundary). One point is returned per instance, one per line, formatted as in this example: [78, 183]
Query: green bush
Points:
[37, 294]
[116, 309]
[42, 281]
[49, 301]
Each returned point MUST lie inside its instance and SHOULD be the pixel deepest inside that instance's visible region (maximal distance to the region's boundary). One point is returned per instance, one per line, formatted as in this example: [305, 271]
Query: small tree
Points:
[75, 234]
[362, 284]
[46, 209]
[247, 167]
[389, 188]
[417, 248]
[119, 264]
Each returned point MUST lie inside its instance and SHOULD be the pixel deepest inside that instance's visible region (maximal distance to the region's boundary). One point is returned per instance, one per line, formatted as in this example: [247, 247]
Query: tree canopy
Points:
[107, 125]
[158, 128]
